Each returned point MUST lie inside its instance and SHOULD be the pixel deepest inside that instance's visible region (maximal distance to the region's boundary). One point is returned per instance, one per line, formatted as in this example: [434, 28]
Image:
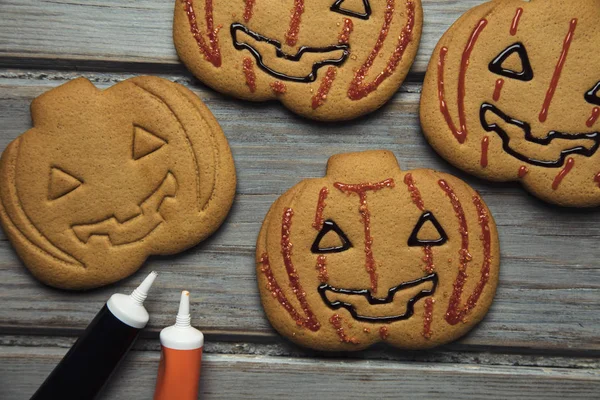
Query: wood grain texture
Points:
[23, 369]
[549, 284]
[214, 344]
[541, 339]
[73, 32]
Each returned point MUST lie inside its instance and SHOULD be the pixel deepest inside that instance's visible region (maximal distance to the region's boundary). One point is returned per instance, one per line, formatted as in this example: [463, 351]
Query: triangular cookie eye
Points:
[353, 8]
[61, 183]
[145, 142]
[330, 228]
[435, 235]
[523, 72]
[593, 95]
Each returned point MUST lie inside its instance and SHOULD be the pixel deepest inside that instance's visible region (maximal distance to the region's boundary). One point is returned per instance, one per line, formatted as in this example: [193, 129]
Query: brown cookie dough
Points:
[512, 93]
[370, 254]
[105, 179]
[323, 59]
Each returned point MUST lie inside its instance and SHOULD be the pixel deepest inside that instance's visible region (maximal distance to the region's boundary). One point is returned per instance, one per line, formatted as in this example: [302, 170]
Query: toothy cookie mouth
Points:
[137, 227]
[245, 39]
[518, 141]
[355, 301]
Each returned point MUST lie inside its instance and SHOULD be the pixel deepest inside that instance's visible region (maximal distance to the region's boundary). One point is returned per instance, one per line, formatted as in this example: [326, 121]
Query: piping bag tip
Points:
[183, 316]
[141, 292]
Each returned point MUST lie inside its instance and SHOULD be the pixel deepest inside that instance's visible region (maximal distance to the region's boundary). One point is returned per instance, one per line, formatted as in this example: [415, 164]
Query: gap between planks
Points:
[106, 34]
[226, 376]
[218, 344]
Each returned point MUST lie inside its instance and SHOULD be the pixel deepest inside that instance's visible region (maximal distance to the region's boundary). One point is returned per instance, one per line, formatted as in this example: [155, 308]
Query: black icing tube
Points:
[88, 365]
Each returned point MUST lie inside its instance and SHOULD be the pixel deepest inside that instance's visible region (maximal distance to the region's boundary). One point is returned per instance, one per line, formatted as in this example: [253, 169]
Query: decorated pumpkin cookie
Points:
[370, 254]
[105, 179]
[324, 59]
[512, 93]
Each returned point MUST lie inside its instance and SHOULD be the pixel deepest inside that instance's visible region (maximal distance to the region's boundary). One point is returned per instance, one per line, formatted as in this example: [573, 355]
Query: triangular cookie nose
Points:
[354, 8]
[145, 142]
[61, 183]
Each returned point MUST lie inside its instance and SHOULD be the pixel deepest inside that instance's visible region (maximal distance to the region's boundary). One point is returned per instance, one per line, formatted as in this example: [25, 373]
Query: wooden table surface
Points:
[541, 338]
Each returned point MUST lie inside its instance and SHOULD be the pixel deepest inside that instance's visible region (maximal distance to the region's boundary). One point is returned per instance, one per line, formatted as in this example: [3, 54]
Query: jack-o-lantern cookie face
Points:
[513, 93]
[370, 253]
[106, 178]
[324, 59]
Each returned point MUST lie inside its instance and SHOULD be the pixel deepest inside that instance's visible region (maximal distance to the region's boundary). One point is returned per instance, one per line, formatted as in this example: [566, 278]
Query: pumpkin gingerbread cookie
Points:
[370, 254]
[512, 93]
[323, 59]
[105, 179]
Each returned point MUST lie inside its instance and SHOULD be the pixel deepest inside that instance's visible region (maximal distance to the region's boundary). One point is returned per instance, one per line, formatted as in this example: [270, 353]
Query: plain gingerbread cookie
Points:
[105, 179]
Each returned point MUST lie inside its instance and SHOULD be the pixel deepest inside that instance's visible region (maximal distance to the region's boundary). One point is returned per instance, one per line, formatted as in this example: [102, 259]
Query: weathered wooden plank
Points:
[74, 33]
[212, 345]
[544, 315]
[23, 369]
[549, 290]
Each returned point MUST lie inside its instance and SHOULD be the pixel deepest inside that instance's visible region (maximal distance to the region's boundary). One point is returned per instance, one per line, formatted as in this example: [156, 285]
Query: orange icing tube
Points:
[179, 369]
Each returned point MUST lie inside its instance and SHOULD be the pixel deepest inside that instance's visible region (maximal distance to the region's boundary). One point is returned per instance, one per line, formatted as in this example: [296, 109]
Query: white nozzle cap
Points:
[130, 309]
[140, 294]
[182, 335]
[183, 316]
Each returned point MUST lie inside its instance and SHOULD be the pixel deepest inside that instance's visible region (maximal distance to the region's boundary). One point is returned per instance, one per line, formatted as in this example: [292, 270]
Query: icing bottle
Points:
[181, 356]
[88, 365]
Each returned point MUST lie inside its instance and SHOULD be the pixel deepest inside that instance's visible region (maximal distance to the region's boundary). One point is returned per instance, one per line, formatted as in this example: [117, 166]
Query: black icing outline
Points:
[410, 307]
[337, 7]
[328, 226]
[413, 239]
[345, 48]
[593, 96]
[496, 65]
[595, 136]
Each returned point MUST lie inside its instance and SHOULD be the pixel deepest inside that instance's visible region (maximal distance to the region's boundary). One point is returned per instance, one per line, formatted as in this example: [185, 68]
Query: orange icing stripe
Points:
[561, 175]
[327, 82]
[485, 145]
[523, 171]
[310, 320]
[319, 98]
[248, 68]
[453, 314]
[336, 321]
[361, 189]
[211, 51]
[278, 87]
[415, 195]
[498, 89]
[428, 317]
[248, 11]
[358, 87]
[291, 36]
[461, 135]
[383, 332]
[322, 268]
[428, 258]
[558, 70]
[318, 224]
[515, 23]
[594, 117]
